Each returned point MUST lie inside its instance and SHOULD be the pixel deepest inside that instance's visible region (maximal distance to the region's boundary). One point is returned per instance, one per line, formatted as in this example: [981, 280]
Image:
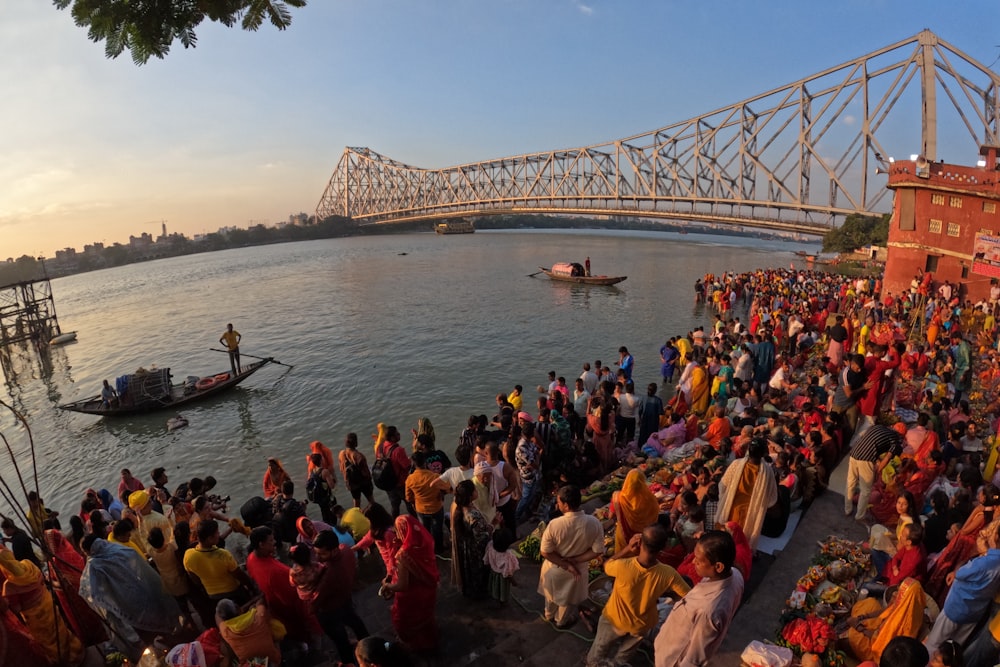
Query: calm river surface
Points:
[387, 328]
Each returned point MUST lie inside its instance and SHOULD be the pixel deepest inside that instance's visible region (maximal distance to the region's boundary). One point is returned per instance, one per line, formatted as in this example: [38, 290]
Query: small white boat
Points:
[62, 339]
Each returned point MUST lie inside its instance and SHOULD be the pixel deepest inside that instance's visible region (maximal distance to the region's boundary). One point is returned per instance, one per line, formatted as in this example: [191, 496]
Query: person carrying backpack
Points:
[392, 467]
[320, 486]
[354, 468]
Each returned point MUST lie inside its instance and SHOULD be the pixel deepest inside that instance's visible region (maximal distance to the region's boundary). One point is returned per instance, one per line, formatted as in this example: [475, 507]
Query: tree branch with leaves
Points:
[148, 28]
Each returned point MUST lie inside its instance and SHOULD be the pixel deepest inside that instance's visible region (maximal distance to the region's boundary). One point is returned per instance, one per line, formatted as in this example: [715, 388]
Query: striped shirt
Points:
[874, 442]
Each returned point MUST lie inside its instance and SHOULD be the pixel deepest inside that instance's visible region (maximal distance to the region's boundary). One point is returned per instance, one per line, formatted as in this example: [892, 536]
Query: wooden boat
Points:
[574, 274]
[62, 339]
[151, 390]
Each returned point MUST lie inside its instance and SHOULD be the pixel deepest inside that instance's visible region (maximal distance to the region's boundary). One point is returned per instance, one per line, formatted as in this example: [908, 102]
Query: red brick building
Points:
[938, 212]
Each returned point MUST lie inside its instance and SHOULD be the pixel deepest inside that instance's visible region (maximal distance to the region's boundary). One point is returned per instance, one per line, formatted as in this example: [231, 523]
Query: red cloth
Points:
[271, 577]
[744, 554]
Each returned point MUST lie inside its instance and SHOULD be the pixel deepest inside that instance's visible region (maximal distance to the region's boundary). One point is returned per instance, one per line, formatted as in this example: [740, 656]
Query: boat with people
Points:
[573, 272]
[149, 390]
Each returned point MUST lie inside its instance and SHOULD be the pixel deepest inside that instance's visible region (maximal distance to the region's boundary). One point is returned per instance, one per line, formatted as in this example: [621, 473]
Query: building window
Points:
[937, 200]
[989, 207]
[955, 202]
[954, 229]
[965, 272]
[934, 227]
[931, 265]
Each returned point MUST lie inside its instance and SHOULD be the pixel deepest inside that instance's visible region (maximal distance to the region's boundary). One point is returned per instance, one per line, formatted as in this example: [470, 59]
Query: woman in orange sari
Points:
[317, 447]
[274, 478]
[870, 627]
[634, 508]
[413, 583]
[934, 328]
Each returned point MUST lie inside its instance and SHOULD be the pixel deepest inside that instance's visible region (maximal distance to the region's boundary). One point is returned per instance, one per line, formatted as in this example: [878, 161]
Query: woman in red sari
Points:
[414, 583]
[65, 568]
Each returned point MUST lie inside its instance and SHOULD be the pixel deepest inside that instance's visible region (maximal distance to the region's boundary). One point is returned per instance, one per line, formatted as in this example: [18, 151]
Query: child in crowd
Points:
[304, 573]
[503, 564]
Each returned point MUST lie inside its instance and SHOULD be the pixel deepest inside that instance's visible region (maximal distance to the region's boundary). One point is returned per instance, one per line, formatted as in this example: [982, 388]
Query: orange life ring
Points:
[204, 383]
[221, 377]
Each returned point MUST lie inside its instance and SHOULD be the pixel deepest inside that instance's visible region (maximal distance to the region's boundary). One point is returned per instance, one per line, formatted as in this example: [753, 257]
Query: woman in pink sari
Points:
[414, 585]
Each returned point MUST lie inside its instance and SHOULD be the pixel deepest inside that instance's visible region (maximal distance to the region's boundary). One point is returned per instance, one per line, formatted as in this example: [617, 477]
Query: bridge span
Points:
[797, 158]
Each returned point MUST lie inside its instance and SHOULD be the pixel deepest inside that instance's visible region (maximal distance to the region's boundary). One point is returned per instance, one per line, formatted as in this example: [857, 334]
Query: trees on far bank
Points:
[856, 232]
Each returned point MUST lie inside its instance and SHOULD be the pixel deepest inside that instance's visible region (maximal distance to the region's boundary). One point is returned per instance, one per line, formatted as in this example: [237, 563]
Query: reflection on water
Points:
[373, 335]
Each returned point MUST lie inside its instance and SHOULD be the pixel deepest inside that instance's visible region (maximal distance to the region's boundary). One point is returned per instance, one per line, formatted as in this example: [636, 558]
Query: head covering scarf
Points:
[381, 430]
[317, 447]
[119, 583]
[308, 533]
[418, 545]
[635, 508]
[113, 506]
[903, 617]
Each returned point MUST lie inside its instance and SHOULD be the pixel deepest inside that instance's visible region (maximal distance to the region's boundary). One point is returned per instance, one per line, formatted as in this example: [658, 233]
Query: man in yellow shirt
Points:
[514, 397]
[231, 339]
[215, 569]
[425, 492]
[640, 581]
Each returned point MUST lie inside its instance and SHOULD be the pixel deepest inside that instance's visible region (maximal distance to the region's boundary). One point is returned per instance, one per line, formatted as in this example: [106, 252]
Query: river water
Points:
[386, 328]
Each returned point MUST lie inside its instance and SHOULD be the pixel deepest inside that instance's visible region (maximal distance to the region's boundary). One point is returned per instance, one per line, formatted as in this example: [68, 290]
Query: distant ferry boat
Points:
[455, 227]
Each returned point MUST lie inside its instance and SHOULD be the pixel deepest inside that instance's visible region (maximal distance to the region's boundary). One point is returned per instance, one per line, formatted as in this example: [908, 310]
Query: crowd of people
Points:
[758, 410]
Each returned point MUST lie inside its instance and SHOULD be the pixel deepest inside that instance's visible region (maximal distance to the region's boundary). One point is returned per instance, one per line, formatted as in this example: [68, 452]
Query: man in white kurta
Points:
[568, 544]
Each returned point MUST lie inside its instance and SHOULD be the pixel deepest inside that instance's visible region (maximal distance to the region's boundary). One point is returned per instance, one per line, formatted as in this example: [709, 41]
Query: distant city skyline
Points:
[249, 126]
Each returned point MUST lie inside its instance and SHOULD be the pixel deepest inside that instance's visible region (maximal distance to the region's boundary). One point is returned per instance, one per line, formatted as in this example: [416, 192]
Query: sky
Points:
[249, 126]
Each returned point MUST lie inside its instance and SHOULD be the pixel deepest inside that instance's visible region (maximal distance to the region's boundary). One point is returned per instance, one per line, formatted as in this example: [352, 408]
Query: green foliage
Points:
[856, 232]
[149, 27]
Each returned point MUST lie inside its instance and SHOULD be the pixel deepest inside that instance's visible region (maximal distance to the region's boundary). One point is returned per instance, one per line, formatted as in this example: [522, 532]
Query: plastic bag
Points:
[759, 654]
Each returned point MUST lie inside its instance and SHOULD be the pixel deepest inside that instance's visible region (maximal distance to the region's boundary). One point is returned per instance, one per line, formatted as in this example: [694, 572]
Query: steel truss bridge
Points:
[797, 158]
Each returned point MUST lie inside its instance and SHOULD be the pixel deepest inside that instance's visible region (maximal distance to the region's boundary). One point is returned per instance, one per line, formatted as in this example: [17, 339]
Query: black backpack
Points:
[317, 490]
[354, 477]
[383, 474]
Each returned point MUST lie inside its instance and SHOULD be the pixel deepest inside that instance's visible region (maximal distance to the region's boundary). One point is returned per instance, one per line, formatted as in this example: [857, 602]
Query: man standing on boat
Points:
[231, 339]
[586, 267]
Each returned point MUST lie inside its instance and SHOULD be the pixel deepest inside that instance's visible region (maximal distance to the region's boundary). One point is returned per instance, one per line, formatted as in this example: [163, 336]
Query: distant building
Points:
[93, 249]
[66, 254]
[945, 222]
[140, 242]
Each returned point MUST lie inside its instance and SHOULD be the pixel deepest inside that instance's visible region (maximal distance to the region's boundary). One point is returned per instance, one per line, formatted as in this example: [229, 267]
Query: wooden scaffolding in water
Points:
[27, 317]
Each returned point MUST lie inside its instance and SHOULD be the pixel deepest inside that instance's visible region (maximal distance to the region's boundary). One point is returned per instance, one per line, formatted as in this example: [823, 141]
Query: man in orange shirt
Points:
[425, 492]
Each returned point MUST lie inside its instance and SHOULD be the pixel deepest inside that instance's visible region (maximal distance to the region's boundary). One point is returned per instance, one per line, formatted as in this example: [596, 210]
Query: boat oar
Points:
[532, 275]
[244, 354]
